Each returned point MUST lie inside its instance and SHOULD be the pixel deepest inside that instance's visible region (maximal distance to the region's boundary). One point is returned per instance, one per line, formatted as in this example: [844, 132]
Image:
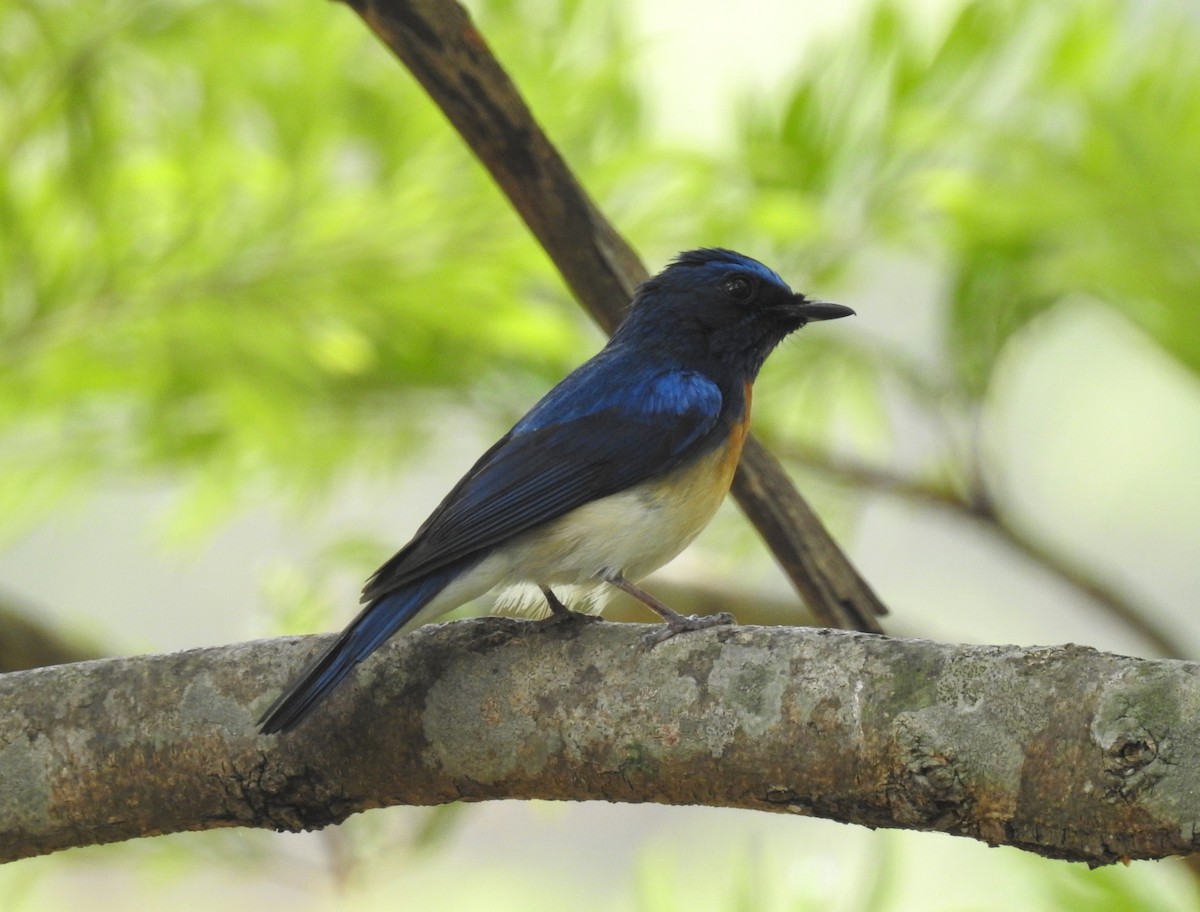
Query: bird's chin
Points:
[788, 321]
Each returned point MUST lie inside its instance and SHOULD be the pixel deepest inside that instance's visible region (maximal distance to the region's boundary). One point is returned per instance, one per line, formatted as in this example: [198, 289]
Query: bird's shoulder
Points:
[621, 381]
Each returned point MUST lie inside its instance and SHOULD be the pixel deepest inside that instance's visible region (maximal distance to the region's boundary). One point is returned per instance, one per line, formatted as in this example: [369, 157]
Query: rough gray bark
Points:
[1063, 751]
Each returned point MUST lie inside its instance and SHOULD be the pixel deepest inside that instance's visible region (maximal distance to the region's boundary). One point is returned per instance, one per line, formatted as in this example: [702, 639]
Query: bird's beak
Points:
[811, 311]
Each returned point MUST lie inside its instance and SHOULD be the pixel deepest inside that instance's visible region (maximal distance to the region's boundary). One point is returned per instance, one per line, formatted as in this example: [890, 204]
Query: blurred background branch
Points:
[25, 643]
[978, 506]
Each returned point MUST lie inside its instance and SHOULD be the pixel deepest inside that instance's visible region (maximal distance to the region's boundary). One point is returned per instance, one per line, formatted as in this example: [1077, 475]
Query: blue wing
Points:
[606, 427]
[612, 423]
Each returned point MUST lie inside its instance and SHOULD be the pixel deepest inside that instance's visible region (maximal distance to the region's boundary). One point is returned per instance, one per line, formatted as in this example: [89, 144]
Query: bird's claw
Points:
[683, 623]
[566, 616]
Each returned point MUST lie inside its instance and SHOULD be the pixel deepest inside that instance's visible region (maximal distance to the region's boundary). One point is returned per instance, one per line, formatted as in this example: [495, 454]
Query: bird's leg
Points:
[676, 622]
[560, 613]
[557, 608]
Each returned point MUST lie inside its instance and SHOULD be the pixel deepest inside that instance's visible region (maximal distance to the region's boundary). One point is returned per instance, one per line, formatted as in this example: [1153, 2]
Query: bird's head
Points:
[721, 305]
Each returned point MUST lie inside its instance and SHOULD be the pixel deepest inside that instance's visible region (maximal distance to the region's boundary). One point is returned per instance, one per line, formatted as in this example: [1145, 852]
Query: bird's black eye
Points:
[738, 287]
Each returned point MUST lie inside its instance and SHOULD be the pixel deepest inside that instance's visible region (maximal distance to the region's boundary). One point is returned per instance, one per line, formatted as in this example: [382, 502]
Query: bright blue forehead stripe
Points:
[718, 259]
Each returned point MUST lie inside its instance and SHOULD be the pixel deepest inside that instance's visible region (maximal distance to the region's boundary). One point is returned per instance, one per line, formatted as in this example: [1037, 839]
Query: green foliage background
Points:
[241, 253]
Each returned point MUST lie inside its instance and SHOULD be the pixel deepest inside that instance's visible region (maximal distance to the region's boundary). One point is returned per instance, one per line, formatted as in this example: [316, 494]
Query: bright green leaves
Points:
[234, 239]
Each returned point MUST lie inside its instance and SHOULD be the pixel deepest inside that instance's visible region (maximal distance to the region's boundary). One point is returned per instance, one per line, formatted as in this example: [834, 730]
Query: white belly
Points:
[632, 533]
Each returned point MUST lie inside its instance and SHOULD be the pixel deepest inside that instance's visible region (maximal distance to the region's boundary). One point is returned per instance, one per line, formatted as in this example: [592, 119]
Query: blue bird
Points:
[606, 479]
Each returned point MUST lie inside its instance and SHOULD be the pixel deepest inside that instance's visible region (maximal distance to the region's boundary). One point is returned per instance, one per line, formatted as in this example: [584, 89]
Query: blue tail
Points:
[366, 633]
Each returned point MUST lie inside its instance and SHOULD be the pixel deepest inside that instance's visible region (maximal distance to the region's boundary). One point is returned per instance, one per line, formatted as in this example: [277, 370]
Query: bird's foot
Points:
[561, 614]
[682, 623]
[676, 623]
[566, 616]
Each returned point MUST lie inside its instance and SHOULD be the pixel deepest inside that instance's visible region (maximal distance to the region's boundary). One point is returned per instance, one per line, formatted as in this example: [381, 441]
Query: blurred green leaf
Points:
[209, 256]
[1115, 889]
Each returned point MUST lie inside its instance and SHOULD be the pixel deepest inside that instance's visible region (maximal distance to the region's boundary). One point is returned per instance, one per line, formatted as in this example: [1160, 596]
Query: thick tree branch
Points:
[1063, 751]
[436, 40]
